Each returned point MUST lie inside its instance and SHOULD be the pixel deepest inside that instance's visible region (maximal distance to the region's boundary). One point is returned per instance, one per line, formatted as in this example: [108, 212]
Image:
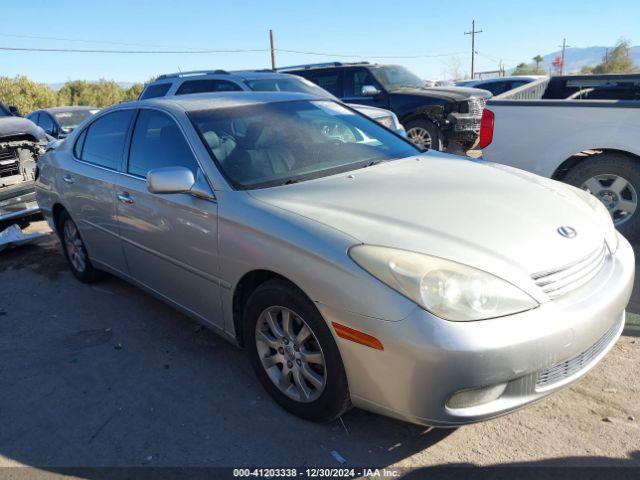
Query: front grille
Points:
[476, 106]
[556, 283]
[9, 163]
[468, 124]
[8, 154]
[560, 371]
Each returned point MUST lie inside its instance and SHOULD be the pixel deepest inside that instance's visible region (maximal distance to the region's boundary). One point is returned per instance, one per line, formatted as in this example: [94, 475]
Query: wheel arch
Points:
[247, 284]
[56, 211]
[579, 157]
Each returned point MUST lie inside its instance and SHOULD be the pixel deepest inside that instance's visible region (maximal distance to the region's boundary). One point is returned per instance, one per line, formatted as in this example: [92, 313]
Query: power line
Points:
[82, 50]
[105, 42]
[238, 50]
[346, 55]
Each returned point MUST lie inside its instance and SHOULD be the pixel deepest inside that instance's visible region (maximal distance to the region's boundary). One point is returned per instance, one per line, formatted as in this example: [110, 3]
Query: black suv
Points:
[440, 117]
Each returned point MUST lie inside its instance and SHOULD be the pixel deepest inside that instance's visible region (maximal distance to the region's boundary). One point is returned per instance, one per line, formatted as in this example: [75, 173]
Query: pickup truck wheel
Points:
[293, 352]
[74, 250]
[424, 134]
[615, 180]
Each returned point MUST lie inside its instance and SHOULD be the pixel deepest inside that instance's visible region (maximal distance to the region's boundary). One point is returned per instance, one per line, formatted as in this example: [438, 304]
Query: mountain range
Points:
[575, 58]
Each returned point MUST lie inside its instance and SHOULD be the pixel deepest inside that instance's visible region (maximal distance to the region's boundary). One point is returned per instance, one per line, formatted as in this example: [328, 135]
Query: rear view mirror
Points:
[170, 180]
[370, 91]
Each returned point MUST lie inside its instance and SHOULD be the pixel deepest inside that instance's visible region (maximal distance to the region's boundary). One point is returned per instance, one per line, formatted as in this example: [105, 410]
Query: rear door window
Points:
[209, 85]
[158, 142]
[157, 90]
[329, 80]
[46, 122]
[355, 79]
[105, 139]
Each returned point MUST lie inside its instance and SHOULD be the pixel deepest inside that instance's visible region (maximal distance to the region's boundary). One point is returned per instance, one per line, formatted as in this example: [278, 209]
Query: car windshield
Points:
[4, 112]
[271, 144]
[293, 84]
[71, 119]
[395, 76]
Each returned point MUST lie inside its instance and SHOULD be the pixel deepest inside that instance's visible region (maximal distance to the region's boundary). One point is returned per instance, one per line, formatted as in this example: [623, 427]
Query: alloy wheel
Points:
[420, 137]
[616, 193]
[290, 354]
[73, 245]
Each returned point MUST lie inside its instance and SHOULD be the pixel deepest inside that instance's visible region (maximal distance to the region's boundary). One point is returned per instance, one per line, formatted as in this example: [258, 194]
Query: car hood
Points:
[10, 126]
[456, 94]
[369, 111]
[492, 217]
[470, 91]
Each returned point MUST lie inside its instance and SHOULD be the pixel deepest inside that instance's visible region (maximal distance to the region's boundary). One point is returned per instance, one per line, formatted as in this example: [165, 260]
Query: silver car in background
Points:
[354, 269]
[209, 81]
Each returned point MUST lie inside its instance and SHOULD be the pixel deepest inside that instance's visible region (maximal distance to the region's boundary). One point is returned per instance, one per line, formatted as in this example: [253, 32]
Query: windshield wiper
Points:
[372, 163]
[290, 181]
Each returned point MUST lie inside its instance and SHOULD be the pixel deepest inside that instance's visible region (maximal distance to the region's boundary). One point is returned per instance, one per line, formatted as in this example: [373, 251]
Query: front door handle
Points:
[67, 179]
[124, 197]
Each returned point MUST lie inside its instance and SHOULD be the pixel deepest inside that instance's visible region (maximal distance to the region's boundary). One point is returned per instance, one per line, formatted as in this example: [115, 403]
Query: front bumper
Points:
[18, 201]
[426, 360]
[465, 128]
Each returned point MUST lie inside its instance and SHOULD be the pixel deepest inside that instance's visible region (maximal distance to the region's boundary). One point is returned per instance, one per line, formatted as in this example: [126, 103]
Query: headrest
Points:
[212, 138]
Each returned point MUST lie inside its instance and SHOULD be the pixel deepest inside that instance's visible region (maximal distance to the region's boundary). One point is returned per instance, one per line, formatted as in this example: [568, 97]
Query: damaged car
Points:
[442, 118]
[21, 142]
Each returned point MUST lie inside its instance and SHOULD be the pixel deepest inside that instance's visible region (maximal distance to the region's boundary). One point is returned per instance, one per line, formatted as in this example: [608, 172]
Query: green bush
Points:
[28, 95]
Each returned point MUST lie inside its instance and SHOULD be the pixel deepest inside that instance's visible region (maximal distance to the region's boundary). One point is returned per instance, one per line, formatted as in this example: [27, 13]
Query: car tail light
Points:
[486, 128]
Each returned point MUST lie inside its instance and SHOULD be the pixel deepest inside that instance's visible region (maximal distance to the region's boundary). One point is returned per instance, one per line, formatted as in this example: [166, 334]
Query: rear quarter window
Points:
[157, 90]
[105, 139]
[209, 85]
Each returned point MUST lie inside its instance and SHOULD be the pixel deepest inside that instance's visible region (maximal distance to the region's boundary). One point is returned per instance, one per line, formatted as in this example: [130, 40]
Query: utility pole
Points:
[273, 50]
[473, 45]
[564, 47]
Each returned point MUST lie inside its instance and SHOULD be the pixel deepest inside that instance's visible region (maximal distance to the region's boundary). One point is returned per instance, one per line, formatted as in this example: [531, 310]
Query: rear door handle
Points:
[67, 179]
[124, 197]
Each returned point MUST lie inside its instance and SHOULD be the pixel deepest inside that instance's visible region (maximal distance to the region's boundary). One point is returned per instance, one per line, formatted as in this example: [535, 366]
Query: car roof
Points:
[216, 100]
[237, 75]
[507, 78]
[70, 108]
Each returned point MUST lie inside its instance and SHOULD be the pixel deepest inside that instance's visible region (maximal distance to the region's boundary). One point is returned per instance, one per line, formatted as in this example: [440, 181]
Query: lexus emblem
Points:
[567, 232]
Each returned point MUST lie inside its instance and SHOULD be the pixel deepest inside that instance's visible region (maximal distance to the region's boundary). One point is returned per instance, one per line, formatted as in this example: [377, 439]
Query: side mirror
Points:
[14, 111]
[170, 180]
[370, 91]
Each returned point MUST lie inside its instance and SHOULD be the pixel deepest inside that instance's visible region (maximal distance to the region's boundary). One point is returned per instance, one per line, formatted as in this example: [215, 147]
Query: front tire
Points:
[293, 353]
[75, 251]
[615, 180]
[424, 134]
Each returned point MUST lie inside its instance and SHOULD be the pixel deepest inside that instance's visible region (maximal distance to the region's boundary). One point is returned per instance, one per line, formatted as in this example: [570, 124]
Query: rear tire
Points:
[275, 317]
[614, 179]
[74, 250]
[424, 134]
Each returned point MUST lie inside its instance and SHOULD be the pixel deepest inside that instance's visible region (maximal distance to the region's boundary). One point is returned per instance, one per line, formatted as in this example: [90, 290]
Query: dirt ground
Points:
[106, 375]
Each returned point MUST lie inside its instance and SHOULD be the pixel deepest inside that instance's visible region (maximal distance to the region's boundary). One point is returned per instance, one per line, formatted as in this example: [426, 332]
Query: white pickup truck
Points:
[592, 144]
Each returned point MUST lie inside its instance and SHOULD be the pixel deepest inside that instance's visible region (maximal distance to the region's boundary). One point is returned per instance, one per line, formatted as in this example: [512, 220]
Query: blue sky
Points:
[512, 31]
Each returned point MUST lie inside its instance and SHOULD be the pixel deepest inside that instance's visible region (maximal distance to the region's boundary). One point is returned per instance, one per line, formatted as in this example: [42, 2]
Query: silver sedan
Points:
[353, 268]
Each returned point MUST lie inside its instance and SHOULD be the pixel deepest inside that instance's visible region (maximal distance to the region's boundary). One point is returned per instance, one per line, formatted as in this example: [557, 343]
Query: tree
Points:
[26, 94]
[523, 69]
[133, 92]
[618, 60]
[538, 59]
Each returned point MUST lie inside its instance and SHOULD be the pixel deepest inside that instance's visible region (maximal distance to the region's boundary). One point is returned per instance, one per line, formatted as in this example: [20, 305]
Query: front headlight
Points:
[387, 121]
[450, 290]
